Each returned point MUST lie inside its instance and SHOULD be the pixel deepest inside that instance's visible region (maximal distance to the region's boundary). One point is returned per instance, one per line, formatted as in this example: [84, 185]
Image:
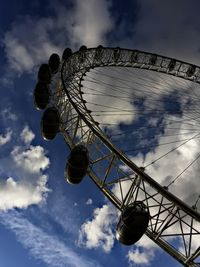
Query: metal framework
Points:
[174, 225]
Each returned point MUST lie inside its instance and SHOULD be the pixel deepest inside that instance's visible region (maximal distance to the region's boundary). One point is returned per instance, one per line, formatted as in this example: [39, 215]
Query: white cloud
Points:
[92, 21]
[81, 24]
[46, 247]
[27, 135]
[163, 171]
[22, 180]
[89, 201]
[19, 194]
[5, 138]
[98, 232]
[8, 114]
[137, 257]
[143, 252]
[32, 160]
[26, 51]
[18, 54]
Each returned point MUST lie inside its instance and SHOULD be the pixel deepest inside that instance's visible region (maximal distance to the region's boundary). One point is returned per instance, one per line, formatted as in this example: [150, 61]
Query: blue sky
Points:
[43, 220]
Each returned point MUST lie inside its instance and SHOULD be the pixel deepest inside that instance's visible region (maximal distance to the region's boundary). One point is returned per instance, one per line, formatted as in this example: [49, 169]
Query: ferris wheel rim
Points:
[99, 132]
[175, 211]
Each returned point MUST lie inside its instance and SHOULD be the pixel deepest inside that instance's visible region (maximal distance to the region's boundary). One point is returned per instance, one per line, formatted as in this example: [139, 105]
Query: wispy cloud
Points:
[27, 135]
[80, 24]
[99, 232]
[5, 138]
[143, 253]
[22, 180]
[89, 201]
[48, 248]
[90, 27]
[7, 114]
[32, 159]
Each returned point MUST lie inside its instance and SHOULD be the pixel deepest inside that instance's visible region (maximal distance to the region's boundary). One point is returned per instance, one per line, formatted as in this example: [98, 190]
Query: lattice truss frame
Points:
[174, 226]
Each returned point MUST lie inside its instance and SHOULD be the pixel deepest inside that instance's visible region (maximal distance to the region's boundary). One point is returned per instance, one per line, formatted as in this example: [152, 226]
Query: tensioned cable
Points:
[164, 78]
[138, 112]
[186, 116]
[149, 100]
[190, 97]
[135, 82]
[106, 113]
[171, 150]
[187, 109]
[179, 175]
[158, 134]
[123, 98]
[144, 109]
[147, 85]
[154, 81]
[158, 145]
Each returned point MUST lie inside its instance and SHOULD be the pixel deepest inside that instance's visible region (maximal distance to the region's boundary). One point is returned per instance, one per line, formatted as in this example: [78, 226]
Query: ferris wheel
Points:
[132, 122]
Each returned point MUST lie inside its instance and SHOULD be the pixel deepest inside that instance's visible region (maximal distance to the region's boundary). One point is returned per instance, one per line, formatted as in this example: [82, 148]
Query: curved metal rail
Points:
[168, 213]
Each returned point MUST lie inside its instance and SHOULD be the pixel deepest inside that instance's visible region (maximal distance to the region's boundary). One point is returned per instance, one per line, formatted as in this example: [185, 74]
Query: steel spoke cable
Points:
[120, 89]
[184, 92]
[129, 96]
[170, 151]
[128, 93]
[142, 127]
[157, 135]
[170, 122]
[190, 118]
[189, 86]
[164, 78]
[104, 113]
[154, 127]
[149, 86]
[179, 175]
[180, 120]
[157, 145]
[99, 82]
[165, 101]
[119, 114]
[195, 205]
[131, 88]
[133, 133]
[125, 80]
[179, 140]
[145, 109]
[143, 112]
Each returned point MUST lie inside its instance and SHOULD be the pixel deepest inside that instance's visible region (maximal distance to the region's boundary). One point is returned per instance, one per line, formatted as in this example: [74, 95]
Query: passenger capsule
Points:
[191, 70]
[83, 48]
[116, 54]
[172, 64]
[98, 53]
[77, 164]
[152, 60]
[133, 223]
[100, 47]
[44, 73]
[50, 123]
[82, 56]
[134, 57]
[41, 95]
[54, 62]
[66, 53]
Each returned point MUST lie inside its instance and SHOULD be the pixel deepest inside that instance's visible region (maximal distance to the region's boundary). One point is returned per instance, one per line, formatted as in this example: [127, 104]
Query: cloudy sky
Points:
[43, 220]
